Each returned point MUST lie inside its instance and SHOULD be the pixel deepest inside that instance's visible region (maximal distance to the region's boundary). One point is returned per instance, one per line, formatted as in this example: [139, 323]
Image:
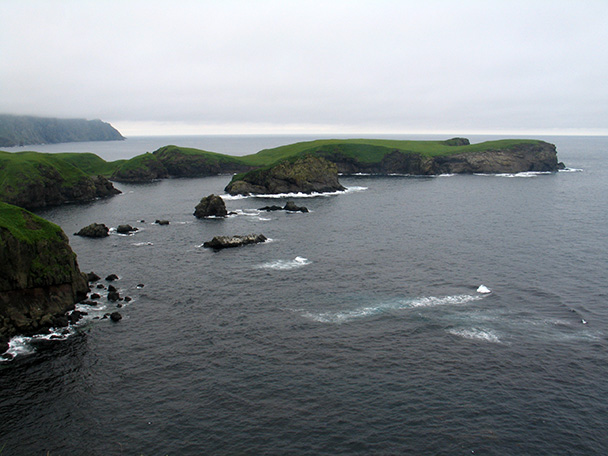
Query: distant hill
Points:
[23, 130]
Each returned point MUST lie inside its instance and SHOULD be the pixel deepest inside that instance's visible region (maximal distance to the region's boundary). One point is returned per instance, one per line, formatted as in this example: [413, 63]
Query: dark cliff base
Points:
[39, 276]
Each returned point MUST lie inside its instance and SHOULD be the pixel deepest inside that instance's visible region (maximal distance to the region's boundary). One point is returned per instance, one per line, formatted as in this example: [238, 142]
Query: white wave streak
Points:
[285, 265]
[367, 311]
[522, 174]
[295, 195]
[571, 170]
[476, 334]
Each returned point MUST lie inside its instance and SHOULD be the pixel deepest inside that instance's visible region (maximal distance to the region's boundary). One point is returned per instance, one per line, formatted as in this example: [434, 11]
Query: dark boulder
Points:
[274, 207]
[111, 277]
[94, 230]
[211, 206]
[162, 222]
[113, 296]
[115, 316]
[92, 277]
[125, 229]
[291, 206]
[223, 242]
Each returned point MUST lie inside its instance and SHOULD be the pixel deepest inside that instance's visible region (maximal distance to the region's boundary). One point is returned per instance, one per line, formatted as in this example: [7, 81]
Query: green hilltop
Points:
[22, 171]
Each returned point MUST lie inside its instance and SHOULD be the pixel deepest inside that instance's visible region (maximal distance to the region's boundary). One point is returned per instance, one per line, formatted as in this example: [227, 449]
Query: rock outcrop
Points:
[290, 206]
[305, 174]
[211, 206]
[224, 242]
[94, 230]
[39, 276]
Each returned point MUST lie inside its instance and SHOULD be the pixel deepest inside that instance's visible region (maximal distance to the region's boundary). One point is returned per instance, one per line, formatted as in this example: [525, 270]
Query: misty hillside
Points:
[23, 130]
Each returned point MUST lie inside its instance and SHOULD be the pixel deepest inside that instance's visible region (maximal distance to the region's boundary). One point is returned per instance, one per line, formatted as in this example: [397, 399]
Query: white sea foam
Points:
[571, 170]
[387, 306]
[142, 243]
[522, 174]
[486, 335]
[18, 346]
[483, 289]
[285, 265]
[295, 195]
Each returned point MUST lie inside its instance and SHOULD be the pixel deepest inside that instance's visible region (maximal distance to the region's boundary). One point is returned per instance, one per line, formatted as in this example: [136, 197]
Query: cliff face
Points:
[534, 156]
[39, 275]
[307, 174]
[539, 156]
[22, 130]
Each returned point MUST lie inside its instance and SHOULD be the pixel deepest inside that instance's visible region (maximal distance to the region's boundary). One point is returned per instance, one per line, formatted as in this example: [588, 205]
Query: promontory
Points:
[39, 276]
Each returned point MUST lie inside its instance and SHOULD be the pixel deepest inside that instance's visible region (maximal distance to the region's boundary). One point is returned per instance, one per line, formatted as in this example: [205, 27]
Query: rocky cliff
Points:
[39, 276]
[304, 174]
[504, 157]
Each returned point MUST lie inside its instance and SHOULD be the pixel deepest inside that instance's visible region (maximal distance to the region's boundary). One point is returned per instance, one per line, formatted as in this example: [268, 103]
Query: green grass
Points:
[373, 150]
[90, 163]
[26, 226]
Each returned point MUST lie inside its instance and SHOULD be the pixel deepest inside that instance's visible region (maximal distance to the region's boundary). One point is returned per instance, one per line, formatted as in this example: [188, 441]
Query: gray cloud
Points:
[369, 65]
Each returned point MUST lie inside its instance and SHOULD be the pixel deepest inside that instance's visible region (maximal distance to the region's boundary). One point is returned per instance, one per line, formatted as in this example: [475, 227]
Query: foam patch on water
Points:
[285, 265]
[570, 170]
[139, 244]
[525, 174]
[398, 304]
[485, 335]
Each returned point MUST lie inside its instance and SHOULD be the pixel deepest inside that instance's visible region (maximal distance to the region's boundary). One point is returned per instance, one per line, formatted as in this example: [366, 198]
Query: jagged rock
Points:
[94, 230]
[112, 288]
[210, 206]
[291, 206]
[111, 277]
[125, 229]
[274, 207]
[113, 296]
[307, 174]
[92, 277]
[223, 242]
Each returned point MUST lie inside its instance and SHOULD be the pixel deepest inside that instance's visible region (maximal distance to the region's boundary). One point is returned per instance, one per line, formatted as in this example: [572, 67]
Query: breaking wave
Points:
[285, 265]
[296, 195]
[344, 316]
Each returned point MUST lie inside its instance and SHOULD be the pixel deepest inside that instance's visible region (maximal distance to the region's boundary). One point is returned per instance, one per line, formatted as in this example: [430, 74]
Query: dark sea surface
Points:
[358, 329]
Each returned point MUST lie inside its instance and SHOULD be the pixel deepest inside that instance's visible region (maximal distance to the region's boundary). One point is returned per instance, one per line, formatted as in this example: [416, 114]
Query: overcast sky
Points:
[368, 66]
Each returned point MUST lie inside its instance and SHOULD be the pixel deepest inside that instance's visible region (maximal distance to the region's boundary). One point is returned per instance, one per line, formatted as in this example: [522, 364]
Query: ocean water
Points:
[361, 327]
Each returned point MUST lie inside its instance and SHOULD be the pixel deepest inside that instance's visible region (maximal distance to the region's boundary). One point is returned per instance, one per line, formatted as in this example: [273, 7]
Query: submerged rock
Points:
[125, 229]
[94, 230]
[223, 242]
[211, 206]
[162, 222]
[289, 206]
